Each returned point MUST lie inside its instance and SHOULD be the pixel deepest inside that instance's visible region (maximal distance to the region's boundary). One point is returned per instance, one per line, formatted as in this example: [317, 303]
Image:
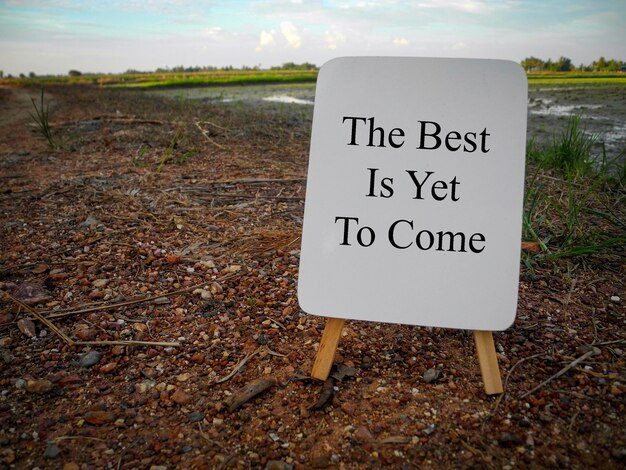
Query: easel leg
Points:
[328, 346]
[488, 362]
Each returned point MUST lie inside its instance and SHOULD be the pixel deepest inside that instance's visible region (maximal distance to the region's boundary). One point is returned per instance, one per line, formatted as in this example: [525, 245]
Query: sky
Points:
[111, 36]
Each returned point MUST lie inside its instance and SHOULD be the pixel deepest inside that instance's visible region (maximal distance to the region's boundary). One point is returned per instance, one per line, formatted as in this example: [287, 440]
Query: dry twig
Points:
[572, 364]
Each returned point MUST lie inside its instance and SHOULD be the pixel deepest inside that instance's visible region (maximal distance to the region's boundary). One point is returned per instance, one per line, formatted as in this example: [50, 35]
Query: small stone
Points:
[524, 422]
[85, 333]
[363, 434]
[278, 465]
[198, 358]
[99, 283]
[71, 466]
[71, 379]
[39, 386]
[428, 430]
[161, 301]
[89, 222]
[110, 367]
[6, 341]
[32, 294]
[216, 288]
[348, 408]
[508, 439]
[7, 455]
[20, 383]
[96, 294]
[616, 299]
[7, 357]
[183, 377]
[27, 327]
[195, 416]
[40, 269]
[143, 387]
[98, 417]
[5, 318]
[431, 375]
[181, 397]
[52, 451]
[90, 359]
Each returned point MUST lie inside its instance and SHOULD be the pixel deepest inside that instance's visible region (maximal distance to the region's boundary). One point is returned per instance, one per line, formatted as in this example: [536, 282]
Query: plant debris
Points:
[149, 315]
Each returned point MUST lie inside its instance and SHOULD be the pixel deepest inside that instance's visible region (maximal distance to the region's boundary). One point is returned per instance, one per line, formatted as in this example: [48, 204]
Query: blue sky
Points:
[54, 36]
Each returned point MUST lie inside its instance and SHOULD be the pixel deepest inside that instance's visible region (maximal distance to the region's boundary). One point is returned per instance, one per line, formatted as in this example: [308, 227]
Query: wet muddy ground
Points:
[602, 107]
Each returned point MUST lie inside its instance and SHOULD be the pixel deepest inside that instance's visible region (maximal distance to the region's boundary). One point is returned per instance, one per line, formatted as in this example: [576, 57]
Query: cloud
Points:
[333, 39]
[291, 34]
[400, 42]
[469, 6]
[459, 45]
[266, 39]
[213, 33]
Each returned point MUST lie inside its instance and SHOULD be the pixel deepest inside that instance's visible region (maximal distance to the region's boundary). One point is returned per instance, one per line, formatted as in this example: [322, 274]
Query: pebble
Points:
[429, 429]
[181, 397]
[143, 387]
[508, 439]
[71, 466]
[90, 359]
[52, 451]
[278, 465]
[39, 386]
[96, 295]
[616, 299]
[110, 367]
[86, 334]
[195, 416]
[431, 375]
[363, 434]
[183, 377]
[27, 327]
[98, 283]
[32, 294]
[98, 417]
[20, 383]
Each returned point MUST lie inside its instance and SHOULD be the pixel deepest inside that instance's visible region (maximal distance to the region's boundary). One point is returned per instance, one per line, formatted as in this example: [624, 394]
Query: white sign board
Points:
[414, 194]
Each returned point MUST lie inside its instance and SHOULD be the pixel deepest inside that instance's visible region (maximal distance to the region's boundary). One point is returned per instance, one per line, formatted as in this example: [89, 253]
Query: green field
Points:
[174, 79]
[576, 78]
[250, 77]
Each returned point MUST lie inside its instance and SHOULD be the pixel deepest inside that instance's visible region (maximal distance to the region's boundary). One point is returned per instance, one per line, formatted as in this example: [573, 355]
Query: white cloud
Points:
[470, 6]
[334, 39]
[459, 45]
[400, 42]
[213, 33]
[266, 39]
[291, 34]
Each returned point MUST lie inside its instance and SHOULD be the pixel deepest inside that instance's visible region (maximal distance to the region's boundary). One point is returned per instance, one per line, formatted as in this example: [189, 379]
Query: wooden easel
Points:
[485, 349]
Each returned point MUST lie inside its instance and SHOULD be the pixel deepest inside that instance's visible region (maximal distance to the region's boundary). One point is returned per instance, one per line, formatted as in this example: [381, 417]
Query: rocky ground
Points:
[149, 316]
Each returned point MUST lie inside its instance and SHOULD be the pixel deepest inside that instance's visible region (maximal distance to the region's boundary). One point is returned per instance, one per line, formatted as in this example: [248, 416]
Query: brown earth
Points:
[144, 196]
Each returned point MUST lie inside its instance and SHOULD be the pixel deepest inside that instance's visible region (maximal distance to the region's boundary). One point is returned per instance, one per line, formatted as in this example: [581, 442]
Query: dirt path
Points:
[204, 202]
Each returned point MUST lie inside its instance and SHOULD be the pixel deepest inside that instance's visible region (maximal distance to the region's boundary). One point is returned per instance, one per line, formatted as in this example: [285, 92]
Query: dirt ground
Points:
[201, 203]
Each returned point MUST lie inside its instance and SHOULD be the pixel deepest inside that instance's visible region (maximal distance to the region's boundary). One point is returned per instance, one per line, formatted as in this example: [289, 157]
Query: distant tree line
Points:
[211, 68]
[564, 64]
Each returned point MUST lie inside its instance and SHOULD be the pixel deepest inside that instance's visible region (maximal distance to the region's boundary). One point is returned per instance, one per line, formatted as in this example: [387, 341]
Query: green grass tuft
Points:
[42, 119]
